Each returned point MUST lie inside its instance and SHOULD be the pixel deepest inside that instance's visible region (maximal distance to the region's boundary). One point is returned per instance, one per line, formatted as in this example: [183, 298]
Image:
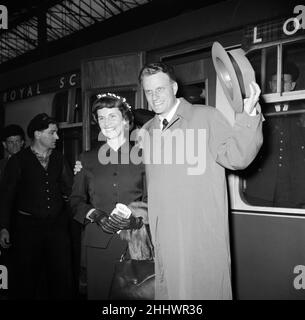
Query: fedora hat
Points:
[235, 73]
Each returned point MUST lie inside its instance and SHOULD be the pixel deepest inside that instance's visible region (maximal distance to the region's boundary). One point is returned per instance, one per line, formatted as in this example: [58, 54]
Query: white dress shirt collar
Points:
[170, 115]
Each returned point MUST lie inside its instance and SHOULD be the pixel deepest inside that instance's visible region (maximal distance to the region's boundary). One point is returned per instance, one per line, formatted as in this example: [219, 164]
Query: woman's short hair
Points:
[110, 100]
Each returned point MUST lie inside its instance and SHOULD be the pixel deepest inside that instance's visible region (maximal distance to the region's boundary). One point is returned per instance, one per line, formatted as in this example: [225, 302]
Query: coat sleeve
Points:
[235, 147]
[8, 190]
[79, 199]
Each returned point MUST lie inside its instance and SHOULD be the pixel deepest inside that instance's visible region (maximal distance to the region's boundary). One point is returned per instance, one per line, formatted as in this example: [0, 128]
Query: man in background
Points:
[13, 140]
[37, 182]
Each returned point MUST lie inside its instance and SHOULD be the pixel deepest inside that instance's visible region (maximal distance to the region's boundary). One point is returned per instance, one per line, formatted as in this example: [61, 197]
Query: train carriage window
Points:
[194, 93]
[276, 178]
[193, 69]
[67, 106]
[260, 59]
[70, 143]
[295, 53]
[67, 110]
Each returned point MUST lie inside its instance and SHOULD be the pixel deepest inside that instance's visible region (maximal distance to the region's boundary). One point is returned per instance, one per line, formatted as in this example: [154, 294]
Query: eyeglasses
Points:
[157, 92]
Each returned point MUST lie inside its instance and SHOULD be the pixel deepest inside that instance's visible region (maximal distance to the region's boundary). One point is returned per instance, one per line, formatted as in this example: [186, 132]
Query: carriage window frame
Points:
[71, 106]
[279, 96]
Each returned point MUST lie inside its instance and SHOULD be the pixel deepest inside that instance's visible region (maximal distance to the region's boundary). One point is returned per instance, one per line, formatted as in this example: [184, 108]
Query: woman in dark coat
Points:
[108, 176]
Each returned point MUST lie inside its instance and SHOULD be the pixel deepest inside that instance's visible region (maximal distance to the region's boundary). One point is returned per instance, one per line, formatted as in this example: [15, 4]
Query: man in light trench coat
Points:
[187, 199]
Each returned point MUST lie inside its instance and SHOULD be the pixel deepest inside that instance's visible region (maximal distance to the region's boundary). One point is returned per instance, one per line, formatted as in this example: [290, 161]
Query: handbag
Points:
[134, 279]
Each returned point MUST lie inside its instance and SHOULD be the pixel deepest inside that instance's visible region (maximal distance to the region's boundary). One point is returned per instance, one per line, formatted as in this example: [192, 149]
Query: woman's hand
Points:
[4, 239]
[77, 167]
[101, 218]
[125, 223]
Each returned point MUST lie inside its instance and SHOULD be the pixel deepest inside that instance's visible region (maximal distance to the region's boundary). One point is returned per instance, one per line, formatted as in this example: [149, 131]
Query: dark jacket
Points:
[102, 186]
[3, 163]
[28, 187]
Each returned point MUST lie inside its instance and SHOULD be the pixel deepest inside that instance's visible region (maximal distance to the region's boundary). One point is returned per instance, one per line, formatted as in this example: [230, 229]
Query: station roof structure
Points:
[40, 28]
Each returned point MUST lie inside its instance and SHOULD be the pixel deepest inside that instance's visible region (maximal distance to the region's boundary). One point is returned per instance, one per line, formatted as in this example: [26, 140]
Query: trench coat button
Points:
[281, 141]
[280, 157]
[280, 164]
[114, 184]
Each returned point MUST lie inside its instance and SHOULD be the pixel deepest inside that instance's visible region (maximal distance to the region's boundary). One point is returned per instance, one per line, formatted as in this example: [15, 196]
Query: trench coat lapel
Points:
[183, 112]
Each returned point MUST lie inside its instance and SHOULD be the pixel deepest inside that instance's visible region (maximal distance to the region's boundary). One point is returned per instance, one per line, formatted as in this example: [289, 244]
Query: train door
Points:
[115, 74]
[268, 198]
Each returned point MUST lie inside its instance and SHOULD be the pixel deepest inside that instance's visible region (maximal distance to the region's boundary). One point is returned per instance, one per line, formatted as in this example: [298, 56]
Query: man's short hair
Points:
[12, 130]
[39, 123]
[288, 67]
[153, 68]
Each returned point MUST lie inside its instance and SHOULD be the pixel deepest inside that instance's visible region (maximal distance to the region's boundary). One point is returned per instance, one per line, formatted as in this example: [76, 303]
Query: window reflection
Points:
[295, 53]
[67, 109]
[194, 93]
[70, 144]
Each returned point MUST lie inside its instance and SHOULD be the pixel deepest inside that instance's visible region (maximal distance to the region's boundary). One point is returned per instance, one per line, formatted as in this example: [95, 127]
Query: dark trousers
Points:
[75, 229]
[101, 266]
[41, 250]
